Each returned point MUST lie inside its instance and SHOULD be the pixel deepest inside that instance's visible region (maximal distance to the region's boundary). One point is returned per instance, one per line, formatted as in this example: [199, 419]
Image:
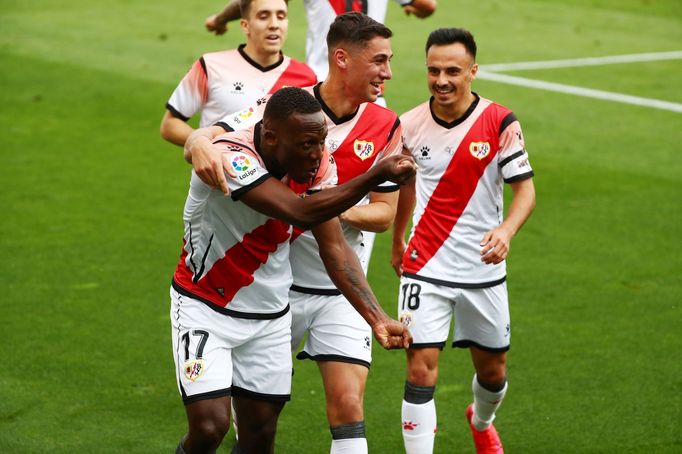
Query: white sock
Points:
[485, 404]
[349, 446]
[419, 427]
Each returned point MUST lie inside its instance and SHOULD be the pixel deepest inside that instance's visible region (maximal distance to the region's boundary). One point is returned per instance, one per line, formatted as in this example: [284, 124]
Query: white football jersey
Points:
[356, 143]
[234, 258]
[321, 14]
[459, 188]
[229, 81]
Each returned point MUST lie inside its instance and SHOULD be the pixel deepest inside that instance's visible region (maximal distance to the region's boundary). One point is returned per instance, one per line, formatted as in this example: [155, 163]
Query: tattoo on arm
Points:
[359, 285]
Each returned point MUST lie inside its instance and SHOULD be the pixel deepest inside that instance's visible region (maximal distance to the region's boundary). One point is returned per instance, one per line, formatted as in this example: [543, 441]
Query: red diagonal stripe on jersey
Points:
[449, 199]
[374, 125]
[235, 270]
[297, 74]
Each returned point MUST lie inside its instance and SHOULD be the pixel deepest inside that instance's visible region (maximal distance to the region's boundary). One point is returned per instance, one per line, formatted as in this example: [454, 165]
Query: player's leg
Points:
[340, 340]
[427, 310]
[418, 411]
[261, 382]
[489, 385]
[209, 421]
[483, 325]
[344, 386]
[203, 362]
[257, 423]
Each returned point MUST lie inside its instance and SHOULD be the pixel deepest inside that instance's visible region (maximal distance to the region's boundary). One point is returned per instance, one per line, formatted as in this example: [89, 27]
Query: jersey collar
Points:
[327, 110]
[452, 124]
[253, 63]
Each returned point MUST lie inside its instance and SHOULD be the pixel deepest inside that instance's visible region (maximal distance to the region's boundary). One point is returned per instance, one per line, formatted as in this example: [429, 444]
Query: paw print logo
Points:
[368, 342]
[409, 425]
[261, 101]
[238, 86]
[234, 148]
[424, 151]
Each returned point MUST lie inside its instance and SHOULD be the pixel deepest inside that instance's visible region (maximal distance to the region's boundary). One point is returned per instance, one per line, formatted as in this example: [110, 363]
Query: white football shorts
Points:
[481, 315]
[218, 355]
[336, 331]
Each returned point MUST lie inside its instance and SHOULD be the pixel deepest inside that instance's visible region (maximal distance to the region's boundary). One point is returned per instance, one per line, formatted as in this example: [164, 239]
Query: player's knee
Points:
[210, 431]
[348, 406]
[422, 374]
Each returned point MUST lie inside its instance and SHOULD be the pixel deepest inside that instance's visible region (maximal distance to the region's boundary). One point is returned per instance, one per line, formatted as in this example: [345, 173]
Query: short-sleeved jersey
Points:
[356, 142]
[459, 189]
[234, 258]
[229, 81]
[321, 14]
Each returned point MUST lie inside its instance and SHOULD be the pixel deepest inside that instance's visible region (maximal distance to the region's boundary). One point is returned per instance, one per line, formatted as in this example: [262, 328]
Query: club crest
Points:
[194, 369]
[363, 149]
[479, 150]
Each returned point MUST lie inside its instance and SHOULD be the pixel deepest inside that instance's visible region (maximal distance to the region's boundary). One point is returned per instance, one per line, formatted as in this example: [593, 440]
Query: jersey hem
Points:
[230, 312]
[523, 176]
[175, 113]
[315, 291]
[336, 358]
[455, 284]
[237, 391]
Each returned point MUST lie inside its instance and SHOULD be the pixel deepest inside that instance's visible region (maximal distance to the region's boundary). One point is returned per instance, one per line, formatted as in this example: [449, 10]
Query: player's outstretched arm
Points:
[495, 243]
[217, 23]
[207, 160]
[375, 216]
[174, 130]
[275, 199]
[420, 8]
[344, 269]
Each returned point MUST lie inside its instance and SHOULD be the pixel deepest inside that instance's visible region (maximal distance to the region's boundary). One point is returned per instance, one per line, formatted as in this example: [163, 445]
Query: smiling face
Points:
[266, 29]
[367, 67]
[298, 144]
[451, 70]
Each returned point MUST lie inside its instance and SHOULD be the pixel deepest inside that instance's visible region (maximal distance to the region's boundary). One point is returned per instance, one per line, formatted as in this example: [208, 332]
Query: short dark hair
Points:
[445, 36]
[355, 28]
[245, 7]
[289, 100]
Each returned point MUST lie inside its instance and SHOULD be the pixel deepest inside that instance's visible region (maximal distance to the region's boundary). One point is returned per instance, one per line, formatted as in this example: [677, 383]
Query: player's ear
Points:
[244, 24]
[340, 58]
[474, 70]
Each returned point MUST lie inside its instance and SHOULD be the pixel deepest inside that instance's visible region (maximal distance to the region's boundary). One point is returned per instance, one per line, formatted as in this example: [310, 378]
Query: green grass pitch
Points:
[91, 230]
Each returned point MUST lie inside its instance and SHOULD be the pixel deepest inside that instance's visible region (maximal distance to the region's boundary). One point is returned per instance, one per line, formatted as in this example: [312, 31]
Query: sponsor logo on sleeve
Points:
[479, 150]
[363, 149]
[244, 167]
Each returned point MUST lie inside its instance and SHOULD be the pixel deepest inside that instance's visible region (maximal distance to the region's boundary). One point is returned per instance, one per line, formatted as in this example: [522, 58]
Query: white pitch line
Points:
[579, 91]
[608, 60]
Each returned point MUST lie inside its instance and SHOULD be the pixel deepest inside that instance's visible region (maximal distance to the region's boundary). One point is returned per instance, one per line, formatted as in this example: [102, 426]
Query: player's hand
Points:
[211, 164]
[213, 25]
[397, 168]
[420, 8]
[392, 334]
[495, 246]
[397, 252]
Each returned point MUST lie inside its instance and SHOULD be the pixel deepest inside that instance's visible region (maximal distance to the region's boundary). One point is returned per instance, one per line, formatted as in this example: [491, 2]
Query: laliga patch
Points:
[245, 168]
[194, 369]
[241, 116]
[406, 318]
[479, 150]
[363, 149]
